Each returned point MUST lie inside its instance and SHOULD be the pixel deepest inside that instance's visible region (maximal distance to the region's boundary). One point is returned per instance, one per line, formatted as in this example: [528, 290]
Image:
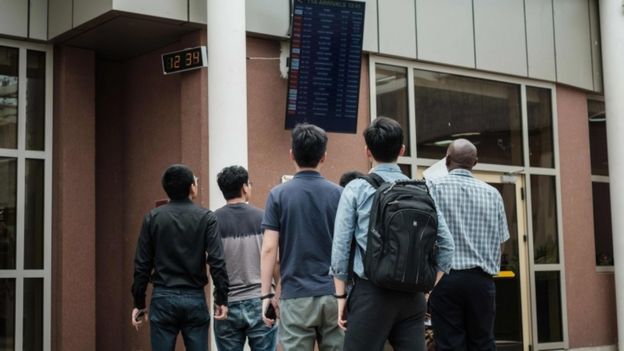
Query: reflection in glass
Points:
[406, 169]
[485, 112]
[35, 100]
[548, 299]
[602, 224]
[539, 112]
[508, 324]
[598, 137]
[8, 194]
[7, 314]
[33, 224]
[8, 97]
[33, 314]
[544, 205]
[392, 102]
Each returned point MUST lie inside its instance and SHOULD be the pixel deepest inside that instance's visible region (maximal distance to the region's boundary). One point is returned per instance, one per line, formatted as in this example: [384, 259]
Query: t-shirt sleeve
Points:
[270, 220]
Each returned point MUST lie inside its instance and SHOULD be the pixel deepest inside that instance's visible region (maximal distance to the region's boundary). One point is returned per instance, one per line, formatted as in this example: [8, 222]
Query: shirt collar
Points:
[387, 167]
[307, 174]
[186, 200]
[461, 172]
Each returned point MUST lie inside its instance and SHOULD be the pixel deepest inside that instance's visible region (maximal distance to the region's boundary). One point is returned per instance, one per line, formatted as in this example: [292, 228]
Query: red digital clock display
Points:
[184, 60]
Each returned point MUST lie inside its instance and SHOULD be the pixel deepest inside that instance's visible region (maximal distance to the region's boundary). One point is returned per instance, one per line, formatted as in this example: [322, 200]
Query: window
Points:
[600, 183]
[539, 113]
[512, 123]
[25, 201]
[392, 97]
[8, 97]
[485, 112]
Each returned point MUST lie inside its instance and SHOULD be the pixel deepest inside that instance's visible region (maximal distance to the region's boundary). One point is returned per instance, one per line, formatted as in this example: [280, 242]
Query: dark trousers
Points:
[375, 315]
[463, 307]
[174, 311]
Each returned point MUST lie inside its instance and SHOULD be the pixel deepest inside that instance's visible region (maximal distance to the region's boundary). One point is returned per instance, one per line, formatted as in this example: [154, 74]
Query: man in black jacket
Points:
[176, 241]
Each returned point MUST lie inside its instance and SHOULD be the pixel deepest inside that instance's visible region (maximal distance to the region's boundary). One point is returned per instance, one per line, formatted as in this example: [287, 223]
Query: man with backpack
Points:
[394, 230]
[464, 302]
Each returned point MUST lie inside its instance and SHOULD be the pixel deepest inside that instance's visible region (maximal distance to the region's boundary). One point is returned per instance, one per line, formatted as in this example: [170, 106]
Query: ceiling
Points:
[121, 36]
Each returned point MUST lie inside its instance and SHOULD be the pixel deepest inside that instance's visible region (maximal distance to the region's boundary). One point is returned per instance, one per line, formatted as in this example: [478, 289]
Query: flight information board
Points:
[325, 60]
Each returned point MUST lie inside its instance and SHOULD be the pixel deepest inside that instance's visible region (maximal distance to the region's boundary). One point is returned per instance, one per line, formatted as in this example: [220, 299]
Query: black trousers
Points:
[375, 315]
[463, 308]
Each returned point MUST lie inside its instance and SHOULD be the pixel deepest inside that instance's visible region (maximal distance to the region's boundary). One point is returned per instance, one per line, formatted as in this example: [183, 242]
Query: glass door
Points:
[512, 327]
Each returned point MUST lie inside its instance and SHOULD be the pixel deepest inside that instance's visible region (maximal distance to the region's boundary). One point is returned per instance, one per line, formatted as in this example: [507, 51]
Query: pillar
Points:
[227, 90]
[612, 33]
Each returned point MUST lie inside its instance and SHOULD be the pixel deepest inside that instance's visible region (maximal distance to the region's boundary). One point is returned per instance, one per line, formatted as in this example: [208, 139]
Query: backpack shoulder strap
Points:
[375, 180]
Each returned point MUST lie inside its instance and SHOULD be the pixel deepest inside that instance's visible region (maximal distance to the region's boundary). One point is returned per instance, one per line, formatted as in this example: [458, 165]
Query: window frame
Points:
[21, 154]
[600, 179]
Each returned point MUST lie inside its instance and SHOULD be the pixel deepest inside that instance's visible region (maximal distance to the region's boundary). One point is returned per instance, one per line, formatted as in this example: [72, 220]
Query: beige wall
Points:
[590, 295]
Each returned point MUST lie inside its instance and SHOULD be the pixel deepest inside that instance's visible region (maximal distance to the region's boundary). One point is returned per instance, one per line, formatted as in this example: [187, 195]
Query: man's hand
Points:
[265, 306]
[137, 320]
[342, 315]
[220, 312]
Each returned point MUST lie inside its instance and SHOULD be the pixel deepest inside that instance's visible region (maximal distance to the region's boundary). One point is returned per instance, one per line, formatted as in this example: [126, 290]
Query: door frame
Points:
[523, 247]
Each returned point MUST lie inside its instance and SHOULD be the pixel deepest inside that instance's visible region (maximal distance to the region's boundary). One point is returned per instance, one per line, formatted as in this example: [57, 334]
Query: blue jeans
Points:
[244, 321]
[179, 310]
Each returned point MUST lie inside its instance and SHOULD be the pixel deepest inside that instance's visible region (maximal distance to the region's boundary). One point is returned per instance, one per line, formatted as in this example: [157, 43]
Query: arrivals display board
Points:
[325, 59]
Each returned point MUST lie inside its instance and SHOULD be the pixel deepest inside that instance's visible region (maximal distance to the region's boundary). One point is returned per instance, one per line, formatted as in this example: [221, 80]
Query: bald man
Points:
[463, 304]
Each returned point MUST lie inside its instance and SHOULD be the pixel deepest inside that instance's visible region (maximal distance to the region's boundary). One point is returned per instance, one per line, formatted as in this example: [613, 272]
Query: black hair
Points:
[177, 181]
[231, 180]
[384, 139]
[349, 176]
[309, 144]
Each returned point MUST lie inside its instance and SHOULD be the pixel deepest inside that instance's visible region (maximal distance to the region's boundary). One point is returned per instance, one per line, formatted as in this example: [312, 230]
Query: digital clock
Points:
[184, 60]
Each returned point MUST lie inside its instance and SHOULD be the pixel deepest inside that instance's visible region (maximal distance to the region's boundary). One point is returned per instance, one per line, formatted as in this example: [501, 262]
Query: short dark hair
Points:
[177, 181]
[349, 176]
[231, 180]
[384, 139]
[309, 144]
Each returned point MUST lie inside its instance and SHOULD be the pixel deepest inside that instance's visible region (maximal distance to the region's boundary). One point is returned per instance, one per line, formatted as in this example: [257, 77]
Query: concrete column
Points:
[227, 90]
[612, 33]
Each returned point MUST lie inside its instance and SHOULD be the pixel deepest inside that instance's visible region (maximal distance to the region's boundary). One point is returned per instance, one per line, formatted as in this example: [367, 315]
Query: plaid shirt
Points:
[475, 215]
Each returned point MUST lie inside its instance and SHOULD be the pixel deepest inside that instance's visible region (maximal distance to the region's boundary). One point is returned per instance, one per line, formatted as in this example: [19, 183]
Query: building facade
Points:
[88, 122]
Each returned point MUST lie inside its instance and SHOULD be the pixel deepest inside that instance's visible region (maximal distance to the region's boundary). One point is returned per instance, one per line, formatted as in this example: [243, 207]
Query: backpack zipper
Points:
[422, 232]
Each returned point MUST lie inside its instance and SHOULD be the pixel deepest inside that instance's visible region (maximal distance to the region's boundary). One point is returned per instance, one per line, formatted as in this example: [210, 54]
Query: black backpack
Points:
[402, 234]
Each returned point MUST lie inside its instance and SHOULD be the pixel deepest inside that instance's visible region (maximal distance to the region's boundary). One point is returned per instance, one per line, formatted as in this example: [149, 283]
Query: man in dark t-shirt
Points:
[299, 221]
[239, 227]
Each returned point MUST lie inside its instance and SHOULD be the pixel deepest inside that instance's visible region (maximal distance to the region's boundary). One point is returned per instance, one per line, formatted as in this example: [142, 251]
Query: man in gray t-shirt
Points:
[241, 234]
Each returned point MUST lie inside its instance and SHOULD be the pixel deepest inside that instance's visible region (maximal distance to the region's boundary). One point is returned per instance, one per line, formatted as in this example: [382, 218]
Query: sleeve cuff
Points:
[270, 227]
[139, 302]
[446, 270]
[339, 275]
[221, 300]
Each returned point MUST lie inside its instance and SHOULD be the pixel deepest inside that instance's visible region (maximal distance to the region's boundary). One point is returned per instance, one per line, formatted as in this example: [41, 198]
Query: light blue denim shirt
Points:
[352, 222]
